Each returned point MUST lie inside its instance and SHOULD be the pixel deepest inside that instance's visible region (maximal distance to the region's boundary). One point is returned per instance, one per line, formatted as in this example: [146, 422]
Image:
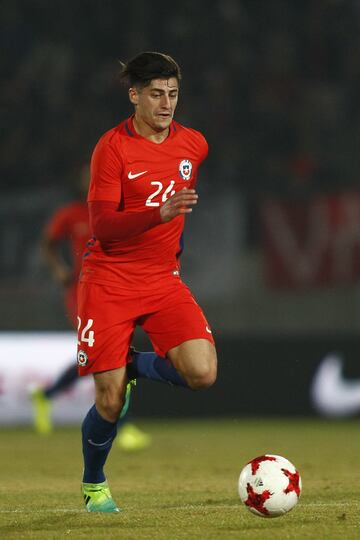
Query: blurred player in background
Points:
[69, 228]
[143, 175]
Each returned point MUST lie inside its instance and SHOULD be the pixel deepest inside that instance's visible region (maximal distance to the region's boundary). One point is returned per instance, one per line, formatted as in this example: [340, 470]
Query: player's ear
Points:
[133, 96]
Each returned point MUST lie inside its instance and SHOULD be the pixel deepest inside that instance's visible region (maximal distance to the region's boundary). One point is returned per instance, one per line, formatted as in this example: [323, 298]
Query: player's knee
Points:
[109, 405]
[203, 377]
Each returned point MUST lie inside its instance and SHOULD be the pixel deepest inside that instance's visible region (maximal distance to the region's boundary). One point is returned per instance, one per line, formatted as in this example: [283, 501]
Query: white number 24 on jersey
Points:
[82, 337]
[168, 192]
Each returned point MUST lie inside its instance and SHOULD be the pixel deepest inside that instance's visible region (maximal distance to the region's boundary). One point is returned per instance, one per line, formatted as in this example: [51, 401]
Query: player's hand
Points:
[179, 203]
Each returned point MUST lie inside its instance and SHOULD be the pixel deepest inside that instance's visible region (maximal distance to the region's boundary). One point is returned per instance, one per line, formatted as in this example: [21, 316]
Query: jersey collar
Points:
[130, 130]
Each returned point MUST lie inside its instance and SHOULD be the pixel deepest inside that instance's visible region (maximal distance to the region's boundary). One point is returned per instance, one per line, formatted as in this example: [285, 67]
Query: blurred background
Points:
[273, 250]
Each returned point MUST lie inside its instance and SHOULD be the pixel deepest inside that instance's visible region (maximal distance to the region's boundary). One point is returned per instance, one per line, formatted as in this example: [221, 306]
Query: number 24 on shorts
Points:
[82, 337]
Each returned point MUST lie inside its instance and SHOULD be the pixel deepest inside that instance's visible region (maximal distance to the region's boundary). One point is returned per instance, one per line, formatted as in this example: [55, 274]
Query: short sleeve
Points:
[106, 169]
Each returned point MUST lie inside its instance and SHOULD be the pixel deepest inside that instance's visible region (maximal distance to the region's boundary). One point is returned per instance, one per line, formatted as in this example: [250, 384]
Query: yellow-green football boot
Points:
[97, 498]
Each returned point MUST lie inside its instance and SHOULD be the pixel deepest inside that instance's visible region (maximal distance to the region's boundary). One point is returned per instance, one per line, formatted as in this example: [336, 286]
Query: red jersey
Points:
[71, 224]
[140, 175]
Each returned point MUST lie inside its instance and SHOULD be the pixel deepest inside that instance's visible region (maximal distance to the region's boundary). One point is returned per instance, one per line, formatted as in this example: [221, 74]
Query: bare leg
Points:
[196, 362]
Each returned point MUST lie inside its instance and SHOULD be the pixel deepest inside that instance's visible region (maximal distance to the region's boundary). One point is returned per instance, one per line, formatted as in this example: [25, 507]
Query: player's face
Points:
[156, 103]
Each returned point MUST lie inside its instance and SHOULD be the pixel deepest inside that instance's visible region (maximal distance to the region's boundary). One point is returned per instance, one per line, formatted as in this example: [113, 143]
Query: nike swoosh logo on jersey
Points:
[331, 393]
[131, 176]
[208, 330]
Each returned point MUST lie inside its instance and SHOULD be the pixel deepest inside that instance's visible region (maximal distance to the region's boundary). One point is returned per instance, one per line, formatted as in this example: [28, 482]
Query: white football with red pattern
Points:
[269, 486]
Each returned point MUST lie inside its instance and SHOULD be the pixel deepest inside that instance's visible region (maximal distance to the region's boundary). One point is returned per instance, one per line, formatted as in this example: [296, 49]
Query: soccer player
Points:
[143, 175]
[69, 227]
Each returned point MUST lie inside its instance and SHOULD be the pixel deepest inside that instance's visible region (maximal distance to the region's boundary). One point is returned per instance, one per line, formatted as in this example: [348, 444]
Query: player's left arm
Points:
[181, 202]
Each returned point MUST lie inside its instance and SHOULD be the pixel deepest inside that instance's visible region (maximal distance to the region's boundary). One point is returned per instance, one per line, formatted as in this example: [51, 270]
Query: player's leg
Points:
[129, 438]
[150, 365]
[196, 361]
[99, 430]
[100, 424]
[192, 364]
[103, 342]
[184, 346]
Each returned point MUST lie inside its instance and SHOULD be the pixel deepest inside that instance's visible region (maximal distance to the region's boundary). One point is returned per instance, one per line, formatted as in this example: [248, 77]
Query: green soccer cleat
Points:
[41, 412]
[132, 439]
[97, 498]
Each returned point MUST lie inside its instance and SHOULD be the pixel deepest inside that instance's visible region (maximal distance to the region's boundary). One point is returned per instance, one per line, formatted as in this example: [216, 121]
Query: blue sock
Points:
[149, 365]
[97, 438]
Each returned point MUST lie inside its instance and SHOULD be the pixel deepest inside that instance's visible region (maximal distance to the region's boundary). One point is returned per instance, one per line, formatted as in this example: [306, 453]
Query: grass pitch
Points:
[185, 485]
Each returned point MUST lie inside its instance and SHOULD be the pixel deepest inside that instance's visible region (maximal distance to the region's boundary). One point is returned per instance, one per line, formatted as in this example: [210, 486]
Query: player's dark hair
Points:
[146, 66]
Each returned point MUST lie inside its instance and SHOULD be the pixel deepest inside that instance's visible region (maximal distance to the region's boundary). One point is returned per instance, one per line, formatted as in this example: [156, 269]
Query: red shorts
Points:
[109, 315]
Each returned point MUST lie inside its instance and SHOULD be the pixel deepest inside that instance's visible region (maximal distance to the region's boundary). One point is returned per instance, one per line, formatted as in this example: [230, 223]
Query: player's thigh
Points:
[195, 358]
[110, 381]
[106, 324]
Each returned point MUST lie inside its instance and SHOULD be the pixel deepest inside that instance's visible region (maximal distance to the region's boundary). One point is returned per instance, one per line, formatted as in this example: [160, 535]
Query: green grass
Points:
[185, 485]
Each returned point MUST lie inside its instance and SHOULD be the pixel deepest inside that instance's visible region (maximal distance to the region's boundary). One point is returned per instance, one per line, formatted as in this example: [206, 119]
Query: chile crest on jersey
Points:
[185, 169]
